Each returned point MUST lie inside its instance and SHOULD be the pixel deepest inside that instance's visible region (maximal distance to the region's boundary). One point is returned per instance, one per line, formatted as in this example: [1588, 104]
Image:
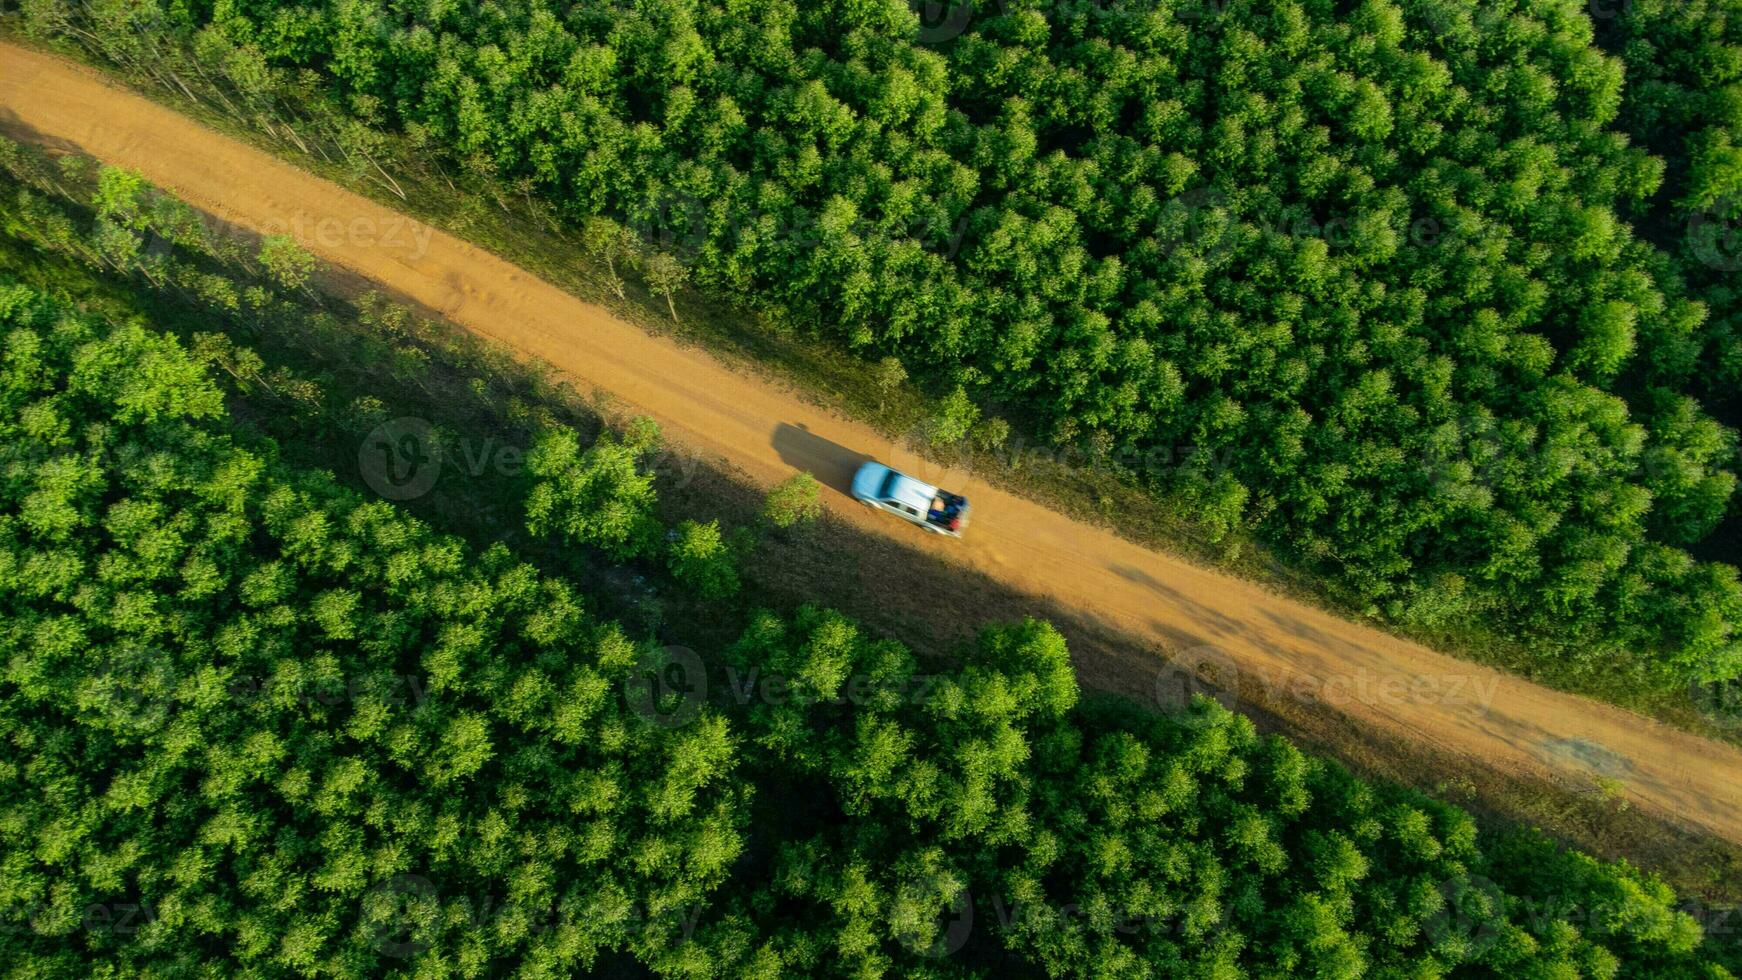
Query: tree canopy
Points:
[1378, 262]
[258, 725]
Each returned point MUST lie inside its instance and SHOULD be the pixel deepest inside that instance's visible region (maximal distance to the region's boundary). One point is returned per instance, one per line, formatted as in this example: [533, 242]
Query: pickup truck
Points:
[938, 511]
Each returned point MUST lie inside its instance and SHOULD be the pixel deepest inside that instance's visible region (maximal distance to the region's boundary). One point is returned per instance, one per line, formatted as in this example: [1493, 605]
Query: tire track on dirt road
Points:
[1399, 689]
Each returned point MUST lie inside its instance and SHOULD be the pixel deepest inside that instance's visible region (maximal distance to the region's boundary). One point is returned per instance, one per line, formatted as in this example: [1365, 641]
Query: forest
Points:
[260, 724]
[1435, 298]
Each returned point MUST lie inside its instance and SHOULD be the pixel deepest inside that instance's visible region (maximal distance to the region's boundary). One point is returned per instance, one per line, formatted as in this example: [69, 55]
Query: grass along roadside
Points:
[517, 228]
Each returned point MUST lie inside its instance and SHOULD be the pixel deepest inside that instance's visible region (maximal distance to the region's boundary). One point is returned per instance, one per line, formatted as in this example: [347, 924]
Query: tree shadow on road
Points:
[14, 128]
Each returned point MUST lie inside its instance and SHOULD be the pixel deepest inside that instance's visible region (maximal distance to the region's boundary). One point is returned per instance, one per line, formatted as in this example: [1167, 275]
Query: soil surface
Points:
[1200, 623]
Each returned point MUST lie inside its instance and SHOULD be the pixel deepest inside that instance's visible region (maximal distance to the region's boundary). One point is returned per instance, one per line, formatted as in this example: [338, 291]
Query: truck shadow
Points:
[830, 462]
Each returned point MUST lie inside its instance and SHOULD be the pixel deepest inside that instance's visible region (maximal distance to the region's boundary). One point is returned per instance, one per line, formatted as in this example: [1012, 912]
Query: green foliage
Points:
[700, 560]
[287, 730]
[928, 811]
[664, 275]
[796, 500]
[1378, 259]
[1684, 101]
[257, 725]
[600, 496]
[989, 433]
[120, 198]
[288, 263]
[888, 375]
[954, 418]
[609, 241]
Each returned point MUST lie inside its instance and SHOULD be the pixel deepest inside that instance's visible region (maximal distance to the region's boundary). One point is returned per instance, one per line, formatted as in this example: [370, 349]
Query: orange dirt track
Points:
[1394, 687]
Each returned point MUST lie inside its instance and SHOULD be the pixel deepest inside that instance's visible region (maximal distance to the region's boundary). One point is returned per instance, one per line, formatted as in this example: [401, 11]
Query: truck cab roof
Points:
[913, 500]
[878, 482]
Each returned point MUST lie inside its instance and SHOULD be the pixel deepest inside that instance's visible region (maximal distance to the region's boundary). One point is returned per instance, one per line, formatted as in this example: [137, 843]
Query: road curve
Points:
[1393, 686]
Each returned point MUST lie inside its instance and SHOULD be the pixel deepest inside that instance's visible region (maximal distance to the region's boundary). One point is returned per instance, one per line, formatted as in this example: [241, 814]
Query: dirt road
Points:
[1189, 613]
